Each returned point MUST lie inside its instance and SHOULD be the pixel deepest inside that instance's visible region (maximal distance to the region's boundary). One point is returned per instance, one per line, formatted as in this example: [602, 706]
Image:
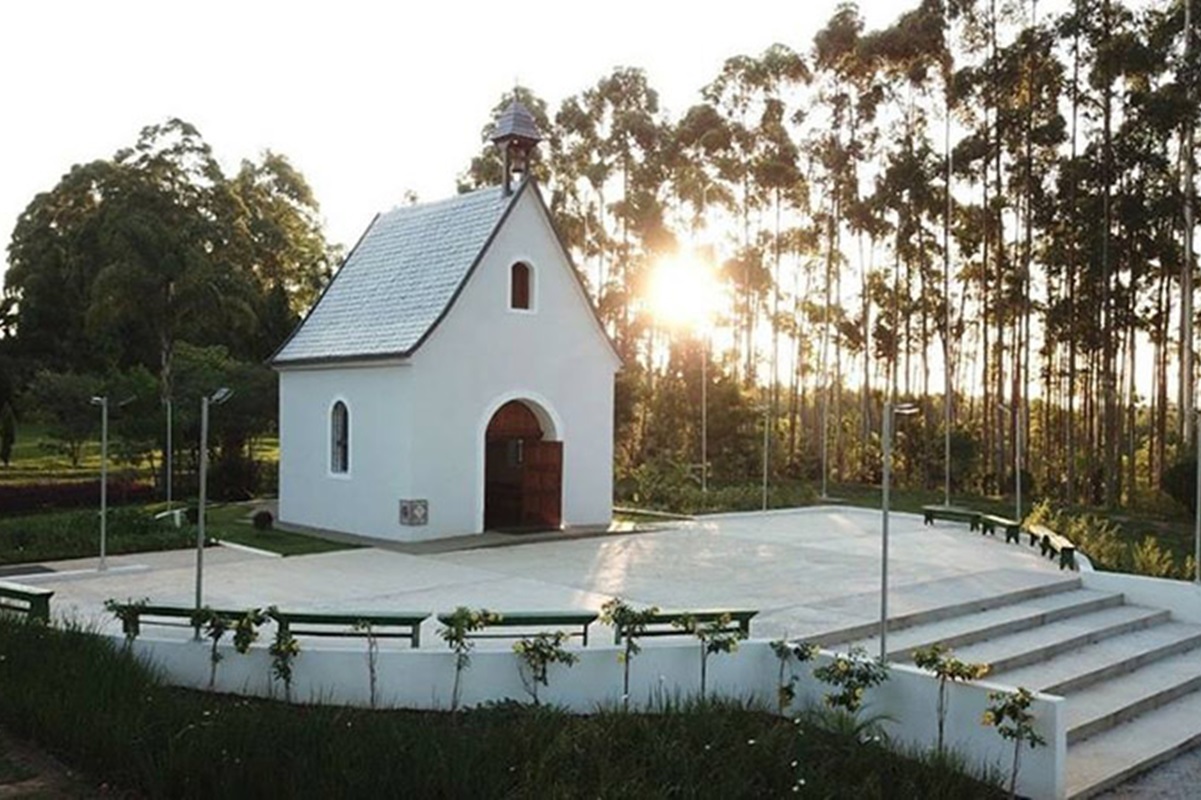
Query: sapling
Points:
[630, 624]
[459, 625]
[786, 690]
[215, 627]
[283, 650]
[1009, 713]
[851, 674]
[537, 653]
[127, 613]
[938, 659]
[372, 655]
[246, 629]
[715, 637]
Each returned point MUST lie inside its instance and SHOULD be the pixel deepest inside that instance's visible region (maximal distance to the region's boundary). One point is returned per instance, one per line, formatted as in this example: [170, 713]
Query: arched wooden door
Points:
[523, 473]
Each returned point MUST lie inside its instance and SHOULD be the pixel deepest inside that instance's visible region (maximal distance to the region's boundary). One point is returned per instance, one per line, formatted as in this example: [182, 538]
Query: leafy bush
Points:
[667, 486]
[263, 520]
[232, 477]
[76, 534]
[16, 498]
[1179, 482]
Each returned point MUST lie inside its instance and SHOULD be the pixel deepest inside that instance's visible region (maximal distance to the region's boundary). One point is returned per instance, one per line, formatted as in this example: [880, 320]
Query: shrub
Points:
[459, 625]
[263, 520]
[26, 497]
[537, 653]
[1009, 713]
[1179, 482]
[851, 674]
[76, 534]
[630, 624]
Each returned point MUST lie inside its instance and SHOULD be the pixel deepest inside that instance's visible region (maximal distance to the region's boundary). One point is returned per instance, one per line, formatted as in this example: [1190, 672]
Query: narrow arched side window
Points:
[519, 286]
[339, 426]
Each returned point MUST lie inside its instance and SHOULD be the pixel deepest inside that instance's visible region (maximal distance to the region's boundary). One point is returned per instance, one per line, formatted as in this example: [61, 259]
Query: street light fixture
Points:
[215, 399]
[766, 446]
[169, 456]
[102, 401]
[1197, 502]
[1016, 410]
[890, 411]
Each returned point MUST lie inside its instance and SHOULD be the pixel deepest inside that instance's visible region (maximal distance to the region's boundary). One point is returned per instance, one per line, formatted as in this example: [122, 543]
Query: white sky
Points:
[366, 99]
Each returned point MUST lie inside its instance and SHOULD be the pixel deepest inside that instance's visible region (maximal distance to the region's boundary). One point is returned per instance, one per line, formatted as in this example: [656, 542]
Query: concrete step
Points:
[1112, 702]
[957, 632]
[1108, 758]
[1105, 660]
[836, 639]
[1047, 641]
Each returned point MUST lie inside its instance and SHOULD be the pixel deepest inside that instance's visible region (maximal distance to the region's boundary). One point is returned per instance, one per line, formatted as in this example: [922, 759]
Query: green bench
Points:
[350, 625]
[1054, 546]
[952, 514]
[341, 624]
[527, 621]
[990, 522]
[28, 600]
[134, 615]
[667, 623]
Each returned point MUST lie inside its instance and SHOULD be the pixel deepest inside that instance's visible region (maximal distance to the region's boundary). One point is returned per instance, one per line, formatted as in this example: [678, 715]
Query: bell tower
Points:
[516, 134]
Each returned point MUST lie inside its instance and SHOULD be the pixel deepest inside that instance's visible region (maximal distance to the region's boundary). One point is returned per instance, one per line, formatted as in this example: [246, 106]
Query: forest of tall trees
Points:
[986, 194]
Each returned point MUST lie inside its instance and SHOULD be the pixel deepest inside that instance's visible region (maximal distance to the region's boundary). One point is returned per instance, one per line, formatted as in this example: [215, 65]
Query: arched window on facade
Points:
[519, 286]
[339, 427]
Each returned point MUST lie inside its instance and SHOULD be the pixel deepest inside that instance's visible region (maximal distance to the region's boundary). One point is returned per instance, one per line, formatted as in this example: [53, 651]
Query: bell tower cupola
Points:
[516, 134]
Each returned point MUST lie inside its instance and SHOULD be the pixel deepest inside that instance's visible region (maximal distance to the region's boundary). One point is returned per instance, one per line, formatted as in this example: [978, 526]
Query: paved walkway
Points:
[807, 571]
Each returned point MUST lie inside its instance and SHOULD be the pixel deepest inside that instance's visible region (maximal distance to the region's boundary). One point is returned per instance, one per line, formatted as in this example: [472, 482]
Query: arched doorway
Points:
[523, 473]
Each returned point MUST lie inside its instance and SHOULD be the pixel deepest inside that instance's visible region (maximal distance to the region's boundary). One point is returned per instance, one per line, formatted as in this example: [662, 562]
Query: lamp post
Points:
[169, 456]
[102, 401]
[1197, 502]
[890, 411]
[1016, 410]
[216, 398]
[705, 413]
[766, 445]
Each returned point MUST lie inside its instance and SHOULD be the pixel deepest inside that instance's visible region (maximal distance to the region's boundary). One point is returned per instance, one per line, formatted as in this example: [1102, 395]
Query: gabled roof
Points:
[399, 280]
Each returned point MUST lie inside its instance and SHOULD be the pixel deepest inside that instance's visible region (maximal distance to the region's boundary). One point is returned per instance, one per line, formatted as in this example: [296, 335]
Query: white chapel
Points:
[454, 376]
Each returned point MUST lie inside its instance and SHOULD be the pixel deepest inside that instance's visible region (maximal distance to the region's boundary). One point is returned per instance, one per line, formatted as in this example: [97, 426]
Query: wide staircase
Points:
[1130, 674]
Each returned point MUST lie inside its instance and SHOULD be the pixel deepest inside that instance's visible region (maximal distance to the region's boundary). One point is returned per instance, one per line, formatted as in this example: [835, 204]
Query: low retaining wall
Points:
[1182, 598]
[662, 672]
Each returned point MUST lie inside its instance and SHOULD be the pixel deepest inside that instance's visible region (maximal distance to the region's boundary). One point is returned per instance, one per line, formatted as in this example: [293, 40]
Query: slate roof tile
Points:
[398, 280]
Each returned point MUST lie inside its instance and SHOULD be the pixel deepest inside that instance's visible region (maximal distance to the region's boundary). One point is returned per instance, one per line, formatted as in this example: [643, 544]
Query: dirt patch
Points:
[26, 771]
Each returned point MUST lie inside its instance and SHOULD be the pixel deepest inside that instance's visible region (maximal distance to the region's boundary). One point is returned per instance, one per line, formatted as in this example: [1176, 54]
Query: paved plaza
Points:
[807, 571]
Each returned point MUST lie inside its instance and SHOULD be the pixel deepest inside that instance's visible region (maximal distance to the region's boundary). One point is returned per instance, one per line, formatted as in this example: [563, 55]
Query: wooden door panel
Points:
[542, 484]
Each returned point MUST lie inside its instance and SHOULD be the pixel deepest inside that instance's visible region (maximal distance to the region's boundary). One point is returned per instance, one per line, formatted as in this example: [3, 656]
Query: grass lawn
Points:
[99, 710]
[57, 535]
[231, 523]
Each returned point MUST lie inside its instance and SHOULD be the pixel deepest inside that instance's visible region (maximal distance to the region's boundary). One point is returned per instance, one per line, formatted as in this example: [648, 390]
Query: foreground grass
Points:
[96, 708]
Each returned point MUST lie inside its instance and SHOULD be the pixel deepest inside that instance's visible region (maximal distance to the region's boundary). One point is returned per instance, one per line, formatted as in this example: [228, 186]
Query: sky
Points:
[368, 100]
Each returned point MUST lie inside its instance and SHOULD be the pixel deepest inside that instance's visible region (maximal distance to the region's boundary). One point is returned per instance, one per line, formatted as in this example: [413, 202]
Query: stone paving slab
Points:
[807, 571]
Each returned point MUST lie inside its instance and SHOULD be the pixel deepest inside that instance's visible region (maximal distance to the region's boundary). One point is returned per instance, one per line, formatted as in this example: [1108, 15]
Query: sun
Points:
[684, 292]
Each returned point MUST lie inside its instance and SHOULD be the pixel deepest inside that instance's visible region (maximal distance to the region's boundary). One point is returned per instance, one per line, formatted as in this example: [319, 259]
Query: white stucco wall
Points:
[484, 354]
[364, 499]
[417, 426]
